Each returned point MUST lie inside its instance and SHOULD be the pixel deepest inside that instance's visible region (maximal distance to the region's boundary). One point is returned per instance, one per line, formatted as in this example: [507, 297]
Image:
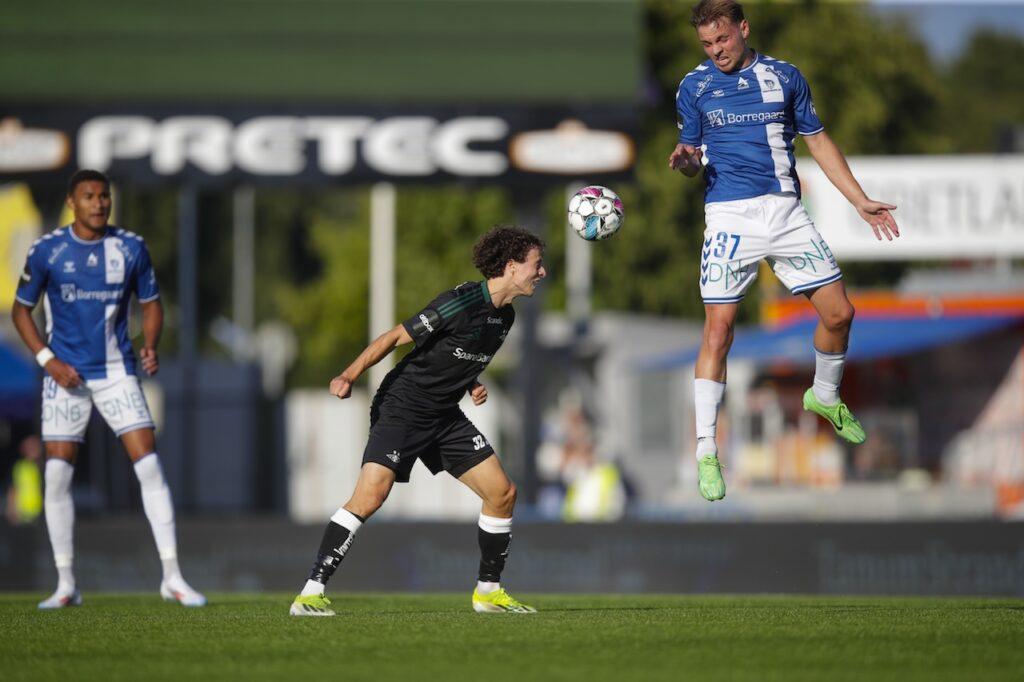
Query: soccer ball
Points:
[595, 213]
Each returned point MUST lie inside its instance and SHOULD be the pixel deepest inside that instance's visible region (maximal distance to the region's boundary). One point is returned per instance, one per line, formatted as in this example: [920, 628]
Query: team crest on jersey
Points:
[67, 293]
[778, 74]
[114, 264]
[703, 85]
[716, 118]
[769, 84]
[743, 84]
[92, 261]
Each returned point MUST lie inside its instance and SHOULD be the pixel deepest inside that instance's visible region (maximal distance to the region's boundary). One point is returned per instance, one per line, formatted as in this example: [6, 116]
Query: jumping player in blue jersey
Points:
[86, 274]
[739, 114]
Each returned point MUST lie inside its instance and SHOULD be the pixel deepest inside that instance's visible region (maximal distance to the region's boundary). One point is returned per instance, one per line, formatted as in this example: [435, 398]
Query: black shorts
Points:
[448, 442]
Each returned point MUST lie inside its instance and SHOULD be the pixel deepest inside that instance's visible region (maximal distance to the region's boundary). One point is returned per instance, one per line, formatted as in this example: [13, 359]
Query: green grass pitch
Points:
[384, 637]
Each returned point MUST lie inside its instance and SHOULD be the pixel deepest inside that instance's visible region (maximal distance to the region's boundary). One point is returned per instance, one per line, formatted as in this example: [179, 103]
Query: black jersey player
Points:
[416, 414]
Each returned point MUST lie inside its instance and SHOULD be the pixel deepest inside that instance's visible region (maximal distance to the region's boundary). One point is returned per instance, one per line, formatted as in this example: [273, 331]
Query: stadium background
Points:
[267, 283]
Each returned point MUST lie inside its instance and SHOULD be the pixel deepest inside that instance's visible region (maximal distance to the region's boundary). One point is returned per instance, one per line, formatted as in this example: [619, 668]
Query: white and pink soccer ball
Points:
[595, 213]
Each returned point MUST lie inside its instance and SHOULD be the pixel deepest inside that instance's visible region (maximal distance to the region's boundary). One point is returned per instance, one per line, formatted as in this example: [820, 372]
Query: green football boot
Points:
[709, 474]
[839, 415]
[499, 601]
[313, 605]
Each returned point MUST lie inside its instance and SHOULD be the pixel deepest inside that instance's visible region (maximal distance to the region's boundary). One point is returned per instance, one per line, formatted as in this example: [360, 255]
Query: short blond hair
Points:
[709, 11]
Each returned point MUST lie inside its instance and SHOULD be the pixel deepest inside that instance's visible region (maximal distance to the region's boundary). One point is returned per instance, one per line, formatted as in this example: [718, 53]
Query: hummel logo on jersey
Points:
[718, 93]
[743, 84]
[69, 266]
[426, 323]
[716, 118]
[393, 456]
[92, 261]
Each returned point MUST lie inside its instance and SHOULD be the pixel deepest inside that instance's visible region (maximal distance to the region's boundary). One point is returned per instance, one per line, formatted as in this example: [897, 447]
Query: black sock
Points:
[333, 547]
[493, 552]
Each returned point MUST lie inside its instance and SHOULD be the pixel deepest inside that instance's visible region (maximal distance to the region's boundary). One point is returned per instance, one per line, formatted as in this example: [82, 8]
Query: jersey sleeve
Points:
[807, 121]
[688, 118]
[32, 282]
[146, 287]
[431, 321]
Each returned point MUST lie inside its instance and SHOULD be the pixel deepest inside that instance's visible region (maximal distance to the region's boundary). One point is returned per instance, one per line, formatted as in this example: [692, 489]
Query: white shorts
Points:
[66, 410]
[775, 227]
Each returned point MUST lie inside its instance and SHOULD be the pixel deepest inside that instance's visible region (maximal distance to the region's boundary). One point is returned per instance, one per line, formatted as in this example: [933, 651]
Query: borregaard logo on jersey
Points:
[716, 118]
[67, 293]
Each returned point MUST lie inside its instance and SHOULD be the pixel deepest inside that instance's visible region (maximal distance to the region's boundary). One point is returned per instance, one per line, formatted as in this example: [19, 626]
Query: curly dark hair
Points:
[503, 243]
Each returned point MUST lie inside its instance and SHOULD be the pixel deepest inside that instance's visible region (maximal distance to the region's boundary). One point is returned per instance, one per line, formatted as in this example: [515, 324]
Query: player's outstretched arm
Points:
[63, 373]
[378, 349]
[833, 163]
[152, 328]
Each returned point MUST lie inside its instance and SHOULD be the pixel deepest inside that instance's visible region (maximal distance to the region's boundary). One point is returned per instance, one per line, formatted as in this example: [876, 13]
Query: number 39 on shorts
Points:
[722, 240]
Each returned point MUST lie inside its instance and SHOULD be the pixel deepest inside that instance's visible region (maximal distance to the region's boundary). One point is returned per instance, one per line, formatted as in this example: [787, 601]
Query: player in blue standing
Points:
[416, 416]
[739, 114]
[86, 274]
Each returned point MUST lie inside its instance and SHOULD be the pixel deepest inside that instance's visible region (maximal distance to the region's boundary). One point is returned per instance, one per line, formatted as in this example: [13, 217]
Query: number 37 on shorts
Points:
[740, 234]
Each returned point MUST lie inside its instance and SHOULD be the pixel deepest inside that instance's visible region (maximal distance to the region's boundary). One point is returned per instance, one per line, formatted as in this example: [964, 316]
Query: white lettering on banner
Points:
[103, 139]
[200, 140]
[948, 207]
[336, 140]
[276, 145]
[270, 145]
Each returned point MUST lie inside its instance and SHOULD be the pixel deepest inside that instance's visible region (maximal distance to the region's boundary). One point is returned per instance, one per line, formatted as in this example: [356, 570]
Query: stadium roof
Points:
[328, 50]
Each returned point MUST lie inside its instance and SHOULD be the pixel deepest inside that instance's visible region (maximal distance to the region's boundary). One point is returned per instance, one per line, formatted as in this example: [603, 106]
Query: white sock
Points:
[156, 501]
[486, 588]
[828, 373]
[707, 396]
[60, 518]
[312, 587]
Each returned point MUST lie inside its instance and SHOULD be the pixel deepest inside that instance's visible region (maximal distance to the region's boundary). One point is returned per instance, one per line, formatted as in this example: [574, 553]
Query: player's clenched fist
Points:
[341, 386]
[64, 374]
[479, 394]
[150, 360]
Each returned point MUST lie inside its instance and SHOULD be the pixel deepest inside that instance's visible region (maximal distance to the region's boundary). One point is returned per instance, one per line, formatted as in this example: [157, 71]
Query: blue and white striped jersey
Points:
[745, 123]
[86, 287]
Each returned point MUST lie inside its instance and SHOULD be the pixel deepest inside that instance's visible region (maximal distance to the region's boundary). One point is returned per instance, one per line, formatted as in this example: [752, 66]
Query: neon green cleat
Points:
[709, 474]
[839, 415]
[313, 605]
[499, 601]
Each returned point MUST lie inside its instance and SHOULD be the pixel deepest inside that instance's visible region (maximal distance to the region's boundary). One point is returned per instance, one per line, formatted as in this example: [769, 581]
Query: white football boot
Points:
[176, 589]
[62, 598]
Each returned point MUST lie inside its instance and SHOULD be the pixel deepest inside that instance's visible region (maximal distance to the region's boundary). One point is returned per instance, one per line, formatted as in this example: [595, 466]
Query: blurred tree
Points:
[986, 92]
[436, 229]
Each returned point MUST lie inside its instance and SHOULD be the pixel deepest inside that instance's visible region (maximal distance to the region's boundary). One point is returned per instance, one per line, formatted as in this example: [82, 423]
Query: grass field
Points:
[436, 637]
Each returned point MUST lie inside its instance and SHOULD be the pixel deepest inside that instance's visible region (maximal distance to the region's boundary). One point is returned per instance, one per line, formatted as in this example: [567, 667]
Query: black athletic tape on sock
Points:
[336, 541]
[494, 549]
